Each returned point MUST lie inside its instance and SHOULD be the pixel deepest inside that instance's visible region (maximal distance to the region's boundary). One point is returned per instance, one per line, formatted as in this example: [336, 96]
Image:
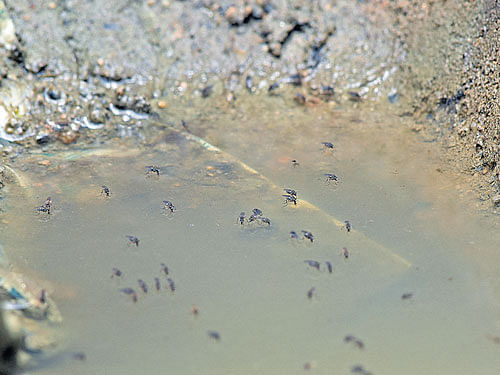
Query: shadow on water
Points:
[249, 283]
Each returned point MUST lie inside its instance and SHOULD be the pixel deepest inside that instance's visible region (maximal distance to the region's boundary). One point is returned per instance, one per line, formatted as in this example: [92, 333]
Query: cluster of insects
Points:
[329, 146]
[116, 273]
[134, 241]
[255, 217]
[143, 286]
[291, 197]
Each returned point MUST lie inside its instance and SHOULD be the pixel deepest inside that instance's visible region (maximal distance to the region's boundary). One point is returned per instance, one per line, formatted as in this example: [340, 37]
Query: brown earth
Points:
[80, 66]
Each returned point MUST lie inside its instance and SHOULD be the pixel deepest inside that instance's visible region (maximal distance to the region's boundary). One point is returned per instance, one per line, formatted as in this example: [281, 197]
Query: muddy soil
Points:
[72, 69]
[79, 74]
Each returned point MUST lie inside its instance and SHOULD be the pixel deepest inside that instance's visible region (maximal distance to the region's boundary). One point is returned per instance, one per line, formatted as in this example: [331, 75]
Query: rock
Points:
[8, 37]
[496, 200]
[11, 340]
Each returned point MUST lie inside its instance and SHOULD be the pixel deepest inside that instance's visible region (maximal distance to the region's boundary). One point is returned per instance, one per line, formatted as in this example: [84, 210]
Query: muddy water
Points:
[411, 233]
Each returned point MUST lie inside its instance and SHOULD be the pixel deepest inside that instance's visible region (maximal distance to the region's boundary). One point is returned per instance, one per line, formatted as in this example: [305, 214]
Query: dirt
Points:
[432, 60]
[116, 69]
[450, 71]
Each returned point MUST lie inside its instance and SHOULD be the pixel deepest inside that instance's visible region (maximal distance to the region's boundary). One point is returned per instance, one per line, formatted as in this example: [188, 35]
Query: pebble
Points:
[496, 200]
[97, 115]
[67, 137]
[232, 14]
[300, 99]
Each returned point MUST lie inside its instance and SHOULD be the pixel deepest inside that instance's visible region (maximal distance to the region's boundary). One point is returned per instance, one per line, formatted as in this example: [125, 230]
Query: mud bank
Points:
[73, 66]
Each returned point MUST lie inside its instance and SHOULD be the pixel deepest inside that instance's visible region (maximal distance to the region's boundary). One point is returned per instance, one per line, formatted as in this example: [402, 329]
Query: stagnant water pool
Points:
[413, 288]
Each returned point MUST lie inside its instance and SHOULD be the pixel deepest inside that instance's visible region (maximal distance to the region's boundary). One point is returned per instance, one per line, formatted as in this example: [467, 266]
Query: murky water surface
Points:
[411, 234]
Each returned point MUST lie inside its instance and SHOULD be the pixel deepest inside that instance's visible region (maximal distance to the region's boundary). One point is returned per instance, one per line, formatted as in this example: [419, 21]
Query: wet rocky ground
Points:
[77, 72]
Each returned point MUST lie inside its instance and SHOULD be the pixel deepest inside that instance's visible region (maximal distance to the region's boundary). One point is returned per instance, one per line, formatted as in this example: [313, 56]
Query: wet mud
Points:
[261, 183]
[430, 60]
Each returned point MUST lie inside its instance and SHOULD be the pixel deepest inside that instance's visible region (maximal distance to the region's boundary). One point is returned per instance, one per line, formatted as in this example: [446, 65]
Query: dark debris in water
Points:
[214, 335]
[449, 103]
[358, 369]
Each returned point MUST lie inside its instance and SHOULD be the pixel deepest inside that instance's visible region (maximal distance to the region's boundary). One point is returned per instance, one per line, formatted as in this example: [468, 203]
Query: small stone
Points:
[275, 49]
[313, 101]
[97, 115]
[231, 14]
[496, 200]
[67, 137]
[248, 11]
[300, 99]
[43, 139]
